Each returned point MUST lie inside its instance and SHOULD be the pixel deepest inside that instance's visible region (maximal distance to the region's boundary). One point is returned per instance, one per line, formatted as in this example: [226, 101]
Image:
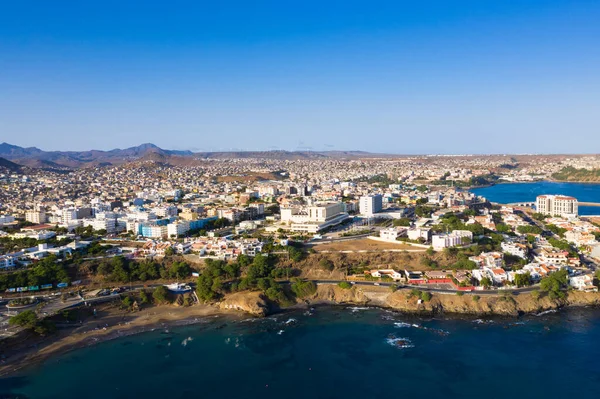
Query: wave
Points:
[399, 342]
[185, 341]
[355, 309]
[546, 312]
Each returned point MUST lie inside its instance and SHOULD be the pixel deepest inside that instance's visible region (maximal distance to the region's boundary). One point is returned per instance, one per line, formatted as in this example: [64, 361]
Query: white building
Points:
[514, 249]
[177, 229]
[101, 224]
[415, 234]
[36, 217]
[312, 219]
[456, 238]
[583, 282]
[6, 261]
[68, 216]
[370, 204]
[561, 205]
[392, 233]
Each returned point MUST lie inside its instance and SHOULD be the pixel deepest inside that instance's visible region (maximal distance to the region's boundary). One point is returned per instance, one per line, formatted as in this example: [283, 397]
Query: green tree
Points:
[26, 319]
[303, 289]
[425, 296]
[522, 280]
[160, 294]
[326, 264]
[486, 282]
[345, 285]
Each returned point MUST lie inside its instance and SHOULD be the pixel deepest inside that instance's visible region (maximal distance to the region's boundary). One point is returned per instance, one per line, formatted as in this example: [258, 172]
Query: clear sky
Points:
[418, 76]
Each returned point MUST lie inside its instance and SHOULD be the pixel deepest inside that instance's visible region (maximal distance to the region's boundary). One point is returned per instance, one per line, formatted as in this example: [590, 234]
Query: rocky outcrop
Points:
[250, 302]
[510, 305]
[332, 294]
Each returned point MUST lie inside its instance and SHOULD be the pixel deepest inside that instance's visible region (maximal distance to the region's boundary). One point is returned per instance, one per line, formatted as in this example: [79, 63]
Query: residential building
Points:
[369, 205]
[36, 217]
[456, 238]
[561, 205]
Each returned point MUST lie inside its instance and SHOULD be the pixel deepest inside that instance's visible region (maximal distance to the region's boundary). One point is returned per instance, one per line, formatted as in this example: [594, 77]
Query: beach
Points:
[28, 350]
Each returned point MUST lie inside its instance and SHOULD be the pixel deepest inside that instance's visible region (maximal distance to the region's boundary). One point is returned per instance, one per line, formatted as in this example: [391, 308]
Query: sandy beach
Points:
[111, 322]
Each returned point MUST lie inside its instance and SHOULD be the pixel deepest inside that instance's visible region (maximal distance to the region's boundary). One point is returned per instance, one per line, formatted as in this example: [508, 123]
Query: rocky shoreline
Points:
[30, 353]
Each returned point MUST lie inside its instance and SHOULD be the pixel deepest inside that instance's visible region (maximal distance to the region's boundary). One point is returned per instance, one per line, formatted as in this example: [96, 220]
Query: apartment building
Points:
[370, 204]
[557, 205]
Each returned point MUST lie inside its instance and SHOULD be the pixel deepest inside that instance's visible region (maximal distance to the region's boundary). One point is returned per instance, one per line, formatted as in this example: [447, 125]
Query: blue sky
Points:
[392, 76]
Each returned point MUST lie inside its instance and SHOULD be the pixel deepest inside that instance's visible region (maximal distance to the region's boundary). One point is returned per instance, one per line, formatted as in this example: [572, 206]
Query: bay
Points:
[506, 193]
[334, 352]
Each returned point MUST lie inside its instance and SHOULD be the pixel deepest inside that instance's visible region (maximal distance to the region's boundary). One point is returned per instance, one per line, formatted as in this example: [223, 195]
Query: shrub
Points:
[476, 298]
[160, 294]
[345, 285]
[425, 296]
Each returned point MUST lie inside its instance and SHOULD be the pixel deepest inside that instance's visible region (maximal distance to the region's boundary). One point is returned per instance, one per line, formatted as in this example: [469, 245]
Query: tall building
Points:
[314, 218]
[35, 217]
[370, 204]
[560, 205]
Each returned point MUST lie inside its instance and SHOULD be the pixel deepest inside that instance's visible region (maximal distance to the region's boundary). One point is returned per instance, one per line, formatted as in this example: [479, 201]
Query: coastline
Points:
[27, 355]
[114, 323]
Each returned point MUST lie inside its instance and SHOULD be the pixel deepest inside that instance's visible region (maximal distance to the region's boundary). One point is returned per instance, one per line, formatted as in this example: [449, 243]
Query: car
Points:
[352, 282]
[376, 284]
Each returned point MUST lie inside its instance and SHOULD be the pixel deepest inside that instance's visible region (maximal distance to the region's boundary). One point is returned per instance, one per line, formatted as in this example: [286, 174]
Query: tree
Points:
[144, 298]
[476, 298]
[425, 296]
[326, 264]
[345, 285]
[522, 280]
[204, 288]
[554, 284]
[169, 251]
[402, 222]
[486, 282]
[26, 319]
[303, 289]
[160, 294]
[180, 270]
[430, 251]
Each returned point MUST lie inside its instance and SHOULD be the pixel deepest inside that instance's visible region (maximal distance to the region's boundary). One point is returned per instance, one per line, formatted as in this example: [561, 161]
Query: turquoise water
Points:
[527, 192]
[335, 353]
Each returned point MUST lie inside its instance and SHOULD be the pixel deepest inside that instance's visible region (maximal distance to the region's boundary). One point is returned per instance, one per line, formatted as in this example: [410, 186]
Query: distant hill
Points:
[36, 158]
[5, 164]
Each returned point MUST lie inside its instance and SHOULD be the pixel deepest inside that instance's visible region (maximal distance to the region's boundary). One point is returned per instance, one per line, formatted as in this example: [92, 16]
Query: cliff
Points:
[249, 302]
[256, 304]
[512, 305]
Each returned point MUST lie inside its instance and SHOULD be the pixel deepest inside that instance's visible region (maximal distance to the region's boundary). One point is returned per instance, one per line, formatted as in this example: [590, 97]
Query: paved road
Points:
[431, 289]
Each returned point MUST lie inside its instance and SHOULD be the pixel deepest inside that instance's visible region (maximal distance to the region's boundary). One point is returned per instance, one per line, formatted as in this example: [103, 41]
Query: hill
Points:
[36, 158]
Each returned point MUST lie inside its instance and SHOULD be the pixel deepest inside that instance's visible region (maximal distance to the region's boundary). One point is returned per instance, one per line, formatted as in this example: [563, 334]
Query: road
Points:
[431, 289]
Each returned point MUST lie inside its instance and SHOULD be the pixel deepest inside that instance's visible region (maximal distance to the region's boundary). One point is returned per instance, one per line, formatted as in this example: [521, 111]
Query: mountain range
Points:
[36, 158]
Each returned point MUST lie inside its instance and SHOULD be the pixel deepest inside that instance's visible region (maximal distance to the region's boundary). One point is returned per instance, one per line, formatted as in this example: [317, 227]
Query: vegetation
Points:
[160, 294]
[29, 320]
[486, 282]
[522, 280]
[326, 264]
[554, 284]
[530, 229]
[303, 289]
[476, 298]
[570, 173]
[345, 285]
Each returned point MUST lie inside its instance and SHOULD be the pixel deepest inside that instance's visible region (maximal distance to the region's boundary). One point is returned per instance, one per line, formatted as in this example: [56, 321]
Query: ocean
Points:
[334, 352]
[527, 192]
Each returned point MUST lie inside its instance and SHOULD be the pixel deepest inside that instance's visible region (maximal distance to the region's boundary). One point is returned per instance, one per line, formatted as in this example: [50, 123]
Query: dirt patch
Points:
[364, 244]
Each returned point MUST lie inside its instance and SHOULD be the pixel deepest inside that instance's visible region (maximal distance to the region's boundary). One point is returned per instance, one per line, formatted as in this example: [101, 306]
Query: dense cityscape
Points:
[71, 236]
